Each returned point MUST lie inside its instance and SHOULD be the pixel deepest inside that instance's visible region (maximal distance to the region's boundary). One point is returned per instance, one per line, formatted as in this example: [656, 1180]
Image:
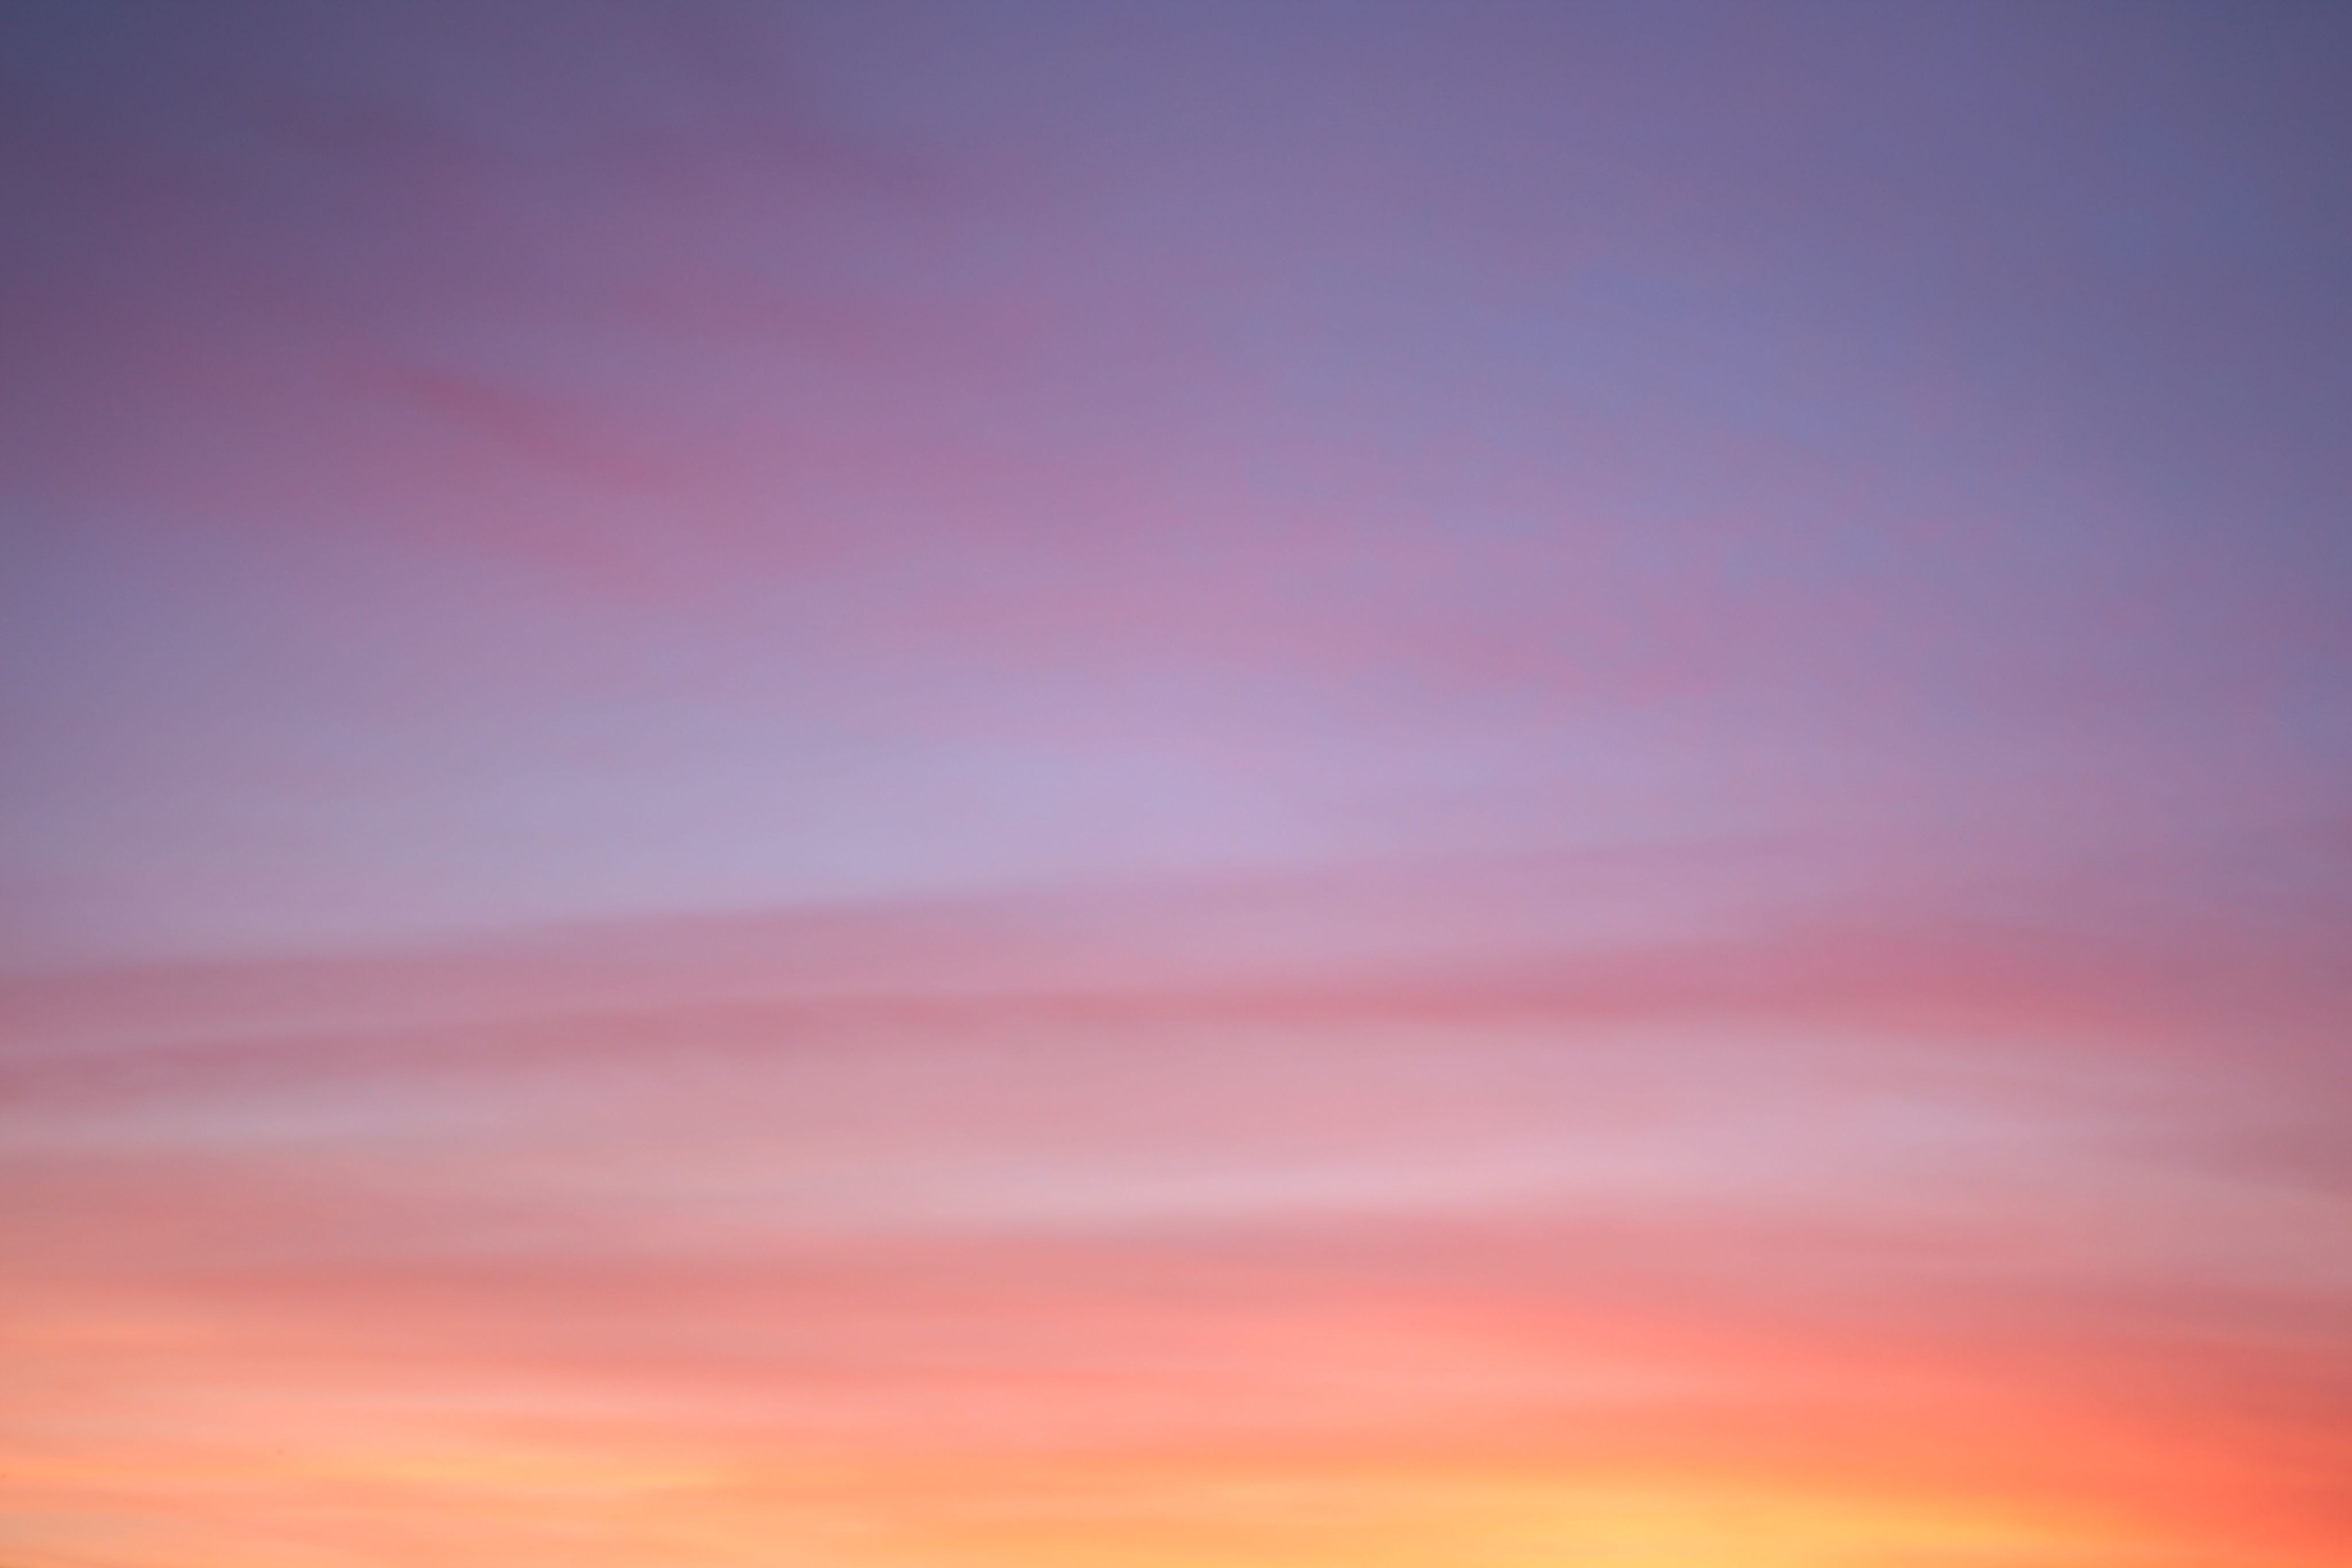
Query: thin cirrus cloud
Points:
[1271, 785]
[1713, 1235]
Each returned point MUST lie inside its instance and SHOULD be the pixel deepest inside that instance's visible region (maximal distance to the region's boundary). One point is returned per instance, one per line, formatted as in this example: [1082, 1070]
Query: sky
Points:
[921, 785]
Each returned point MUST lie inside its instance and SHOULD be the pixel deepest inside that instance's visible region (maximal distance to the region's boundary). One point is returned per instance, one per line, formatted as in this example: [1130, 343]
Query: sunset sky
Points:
[1175, 784]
